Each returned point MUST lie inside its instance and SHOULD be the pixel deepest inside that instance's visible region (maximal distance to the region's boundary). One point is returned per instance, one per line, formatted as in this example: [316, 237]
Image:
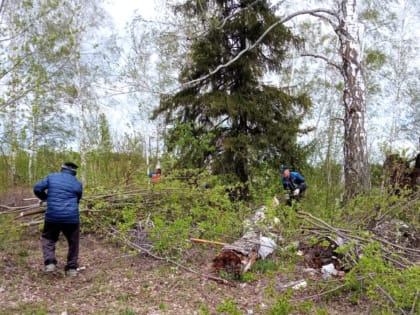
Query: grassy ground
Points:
[112, 281]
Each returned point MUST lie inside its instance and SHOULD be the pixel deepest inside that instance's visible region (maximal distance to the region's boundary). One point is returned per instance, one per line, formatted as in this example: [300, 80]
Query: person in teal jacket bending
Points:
[294, 183]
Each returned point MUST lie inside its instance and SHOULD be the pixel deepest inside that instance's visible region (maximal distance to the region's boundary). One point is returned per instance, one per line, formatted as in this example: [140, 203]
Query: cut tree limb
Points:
[198, 240]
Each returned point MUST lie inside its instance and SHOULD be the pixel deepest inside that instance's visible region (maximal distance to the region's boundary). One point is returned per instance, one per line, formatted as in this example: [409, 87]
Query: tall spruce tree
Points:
[234, 120]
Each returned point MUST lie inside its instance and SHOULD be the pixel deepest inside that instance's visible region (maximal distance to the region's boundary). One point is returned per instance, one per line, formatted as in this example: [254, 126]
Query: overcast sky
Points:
[123, 10]
[125, 117]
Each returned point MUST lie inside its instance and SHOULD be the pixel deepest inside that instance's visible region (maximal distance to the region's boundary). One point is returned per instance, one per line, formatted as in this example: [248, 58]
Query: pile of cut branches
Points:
[347, 245]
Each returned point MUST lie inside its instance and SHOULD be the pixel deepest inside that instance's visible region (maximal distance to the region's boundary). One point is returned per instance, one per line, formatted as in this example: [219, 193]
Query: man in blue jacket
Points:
[62, 191]
[294, 182]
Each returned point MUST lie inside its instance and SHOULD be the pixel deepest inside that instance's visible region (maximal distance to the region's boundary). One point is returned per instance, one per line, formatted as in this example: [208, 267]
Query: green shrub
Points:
[264, 266]
[381, 281]
[228, 307]
[10, 231]
[282, 306]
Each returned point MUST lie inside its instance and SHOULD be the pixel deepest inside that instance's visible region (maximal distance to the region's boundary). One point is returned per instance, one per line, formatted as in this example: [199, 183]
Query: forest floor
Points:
[112, 281]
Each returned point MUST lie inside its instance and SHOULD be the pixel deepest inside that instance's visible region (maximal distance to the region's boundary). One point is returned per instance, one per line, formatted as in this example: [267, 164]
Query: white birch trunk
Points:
[12, 135]
[82, 108]
[32, 148]
[356, 168]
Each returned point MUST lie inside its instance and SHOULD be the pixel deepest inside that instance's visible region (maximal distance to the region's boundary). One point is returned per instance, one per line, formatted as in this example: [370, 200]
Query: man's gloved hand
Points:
[296, 192]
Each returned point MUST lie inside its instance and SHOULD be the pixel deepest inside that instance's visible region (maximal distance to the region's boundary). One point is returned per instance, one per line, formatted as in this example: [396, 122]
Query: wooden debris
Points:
[398, 243]
[197, 240]
[238, 257]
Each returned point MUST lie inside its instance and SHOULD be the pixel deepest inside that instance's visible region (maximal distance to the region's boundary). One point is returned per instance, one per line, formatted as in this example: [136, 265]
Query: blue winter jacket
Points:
[296, 180]
[62, 191]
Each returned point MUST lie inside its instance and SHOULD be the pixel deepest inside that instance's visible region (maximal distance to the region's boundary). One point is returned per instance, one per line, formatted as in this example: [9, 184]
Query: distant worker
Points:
[155, 175]
[294, 183]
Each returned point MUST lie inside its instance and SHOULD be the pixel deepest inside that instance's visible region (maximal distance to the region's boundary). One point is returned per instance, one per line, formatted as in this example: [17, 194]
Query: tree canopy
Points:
[235, 119]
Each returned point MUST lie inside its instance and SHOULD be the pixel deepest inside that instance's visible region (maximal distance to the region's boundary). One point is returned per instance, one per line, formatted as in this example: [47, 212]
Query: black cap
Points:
[70, 166]
[284, 167]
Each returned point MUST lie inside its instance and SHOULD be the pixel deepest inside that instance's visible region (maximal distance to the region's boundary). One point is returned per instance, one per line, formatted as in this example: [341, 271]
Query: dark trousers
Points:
[50, 235]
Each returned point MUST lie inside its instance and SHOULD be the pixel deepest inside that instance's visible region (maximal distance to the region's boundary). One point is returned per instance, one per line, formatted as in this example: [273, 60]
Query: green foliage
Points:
[204, 310]
[370, 14]
[282, 306]
[306, 307]
[128, 220]
[324, 189]
[231, 118]
[367, 208]
[10, 232]
[228, 307]
[379, 279]
[264, 266]
[375, 59]
[191, 142]
[178, 208]
[31, 309]
[288, 220]
[170, 237]
[230, 276]
[248, 277]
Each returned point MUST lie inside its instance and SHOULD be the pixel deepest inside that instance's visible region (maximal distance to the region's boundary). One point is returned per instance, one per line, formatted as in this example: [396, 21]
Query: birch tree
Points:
[36, 49]
[90, 67]
[356, 167]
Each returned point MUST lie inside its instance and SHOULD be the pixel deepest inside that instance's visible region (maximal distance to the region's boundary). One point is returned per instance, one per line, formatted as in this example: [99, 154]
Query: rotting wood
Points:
[238, 257]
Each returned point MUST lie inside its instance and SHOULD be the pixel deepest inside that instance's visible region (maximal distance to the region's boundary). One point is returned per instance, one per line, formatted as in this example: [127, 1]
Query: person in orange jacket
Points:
[155, 175]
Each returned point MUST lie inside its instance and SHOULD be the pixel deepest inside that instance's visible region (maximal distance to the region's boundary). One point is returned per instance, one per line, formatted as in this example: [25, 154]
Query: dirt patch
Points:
[112, 281]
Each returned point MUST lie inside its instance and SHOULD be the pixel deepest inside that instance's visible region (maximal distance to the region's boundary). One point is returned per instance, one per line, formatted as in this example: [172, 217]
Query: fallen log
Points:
[238, 257]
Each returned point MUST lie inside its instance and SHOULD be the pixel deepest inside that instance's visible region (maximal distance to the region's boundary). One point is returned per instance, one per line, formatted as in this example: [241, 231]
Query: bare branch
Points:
[318, 295]
[413, 308]
[117, 234]
[389, 297]
[328, 20]
[2, 2]
[328, 61]
[249, 47]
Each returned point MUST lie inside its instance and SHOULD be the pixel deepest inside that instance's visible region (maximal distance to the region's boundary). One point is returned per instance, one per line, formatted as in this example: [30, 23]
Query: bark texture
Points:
[356, 168]
[257, 242]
